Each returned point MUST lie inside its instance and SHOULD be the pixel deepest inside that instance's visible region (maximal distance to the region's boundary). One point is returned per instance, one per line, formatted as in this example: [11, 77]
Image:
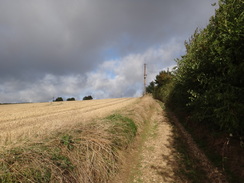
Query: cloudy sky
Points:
[74, 48]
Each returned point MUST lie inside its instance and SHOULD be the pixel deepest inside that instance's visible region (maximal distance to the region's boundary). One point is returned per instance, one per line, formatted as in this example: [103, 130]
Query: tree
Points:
[58, 99]
[211, 72]
[163, 78]
[208, 84]
[71, 99]
[88, 97]
[150, 88]
[163, 85]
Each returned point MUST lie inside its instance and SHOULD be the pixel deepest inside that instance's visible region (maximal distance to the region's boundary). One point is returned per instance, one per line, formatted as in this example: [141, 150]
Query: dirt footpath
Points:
[153, 157]
[158, 161]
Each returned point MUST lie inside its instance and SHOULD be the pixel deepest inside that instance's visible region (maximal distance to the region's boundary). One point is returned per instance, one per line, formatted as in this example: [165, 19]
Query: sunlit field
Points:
[21, 122]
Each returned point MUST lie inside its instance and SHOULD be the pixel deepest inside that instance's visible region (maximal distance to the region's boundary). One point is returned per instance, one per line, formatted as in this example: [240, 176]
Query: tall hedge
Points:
[212, 70]
[209, 81]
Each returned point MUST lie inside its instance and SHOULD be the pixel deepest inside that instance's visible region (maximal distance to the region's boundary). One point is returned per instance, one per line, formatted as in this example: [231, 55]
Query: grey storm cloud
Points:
[73, 37]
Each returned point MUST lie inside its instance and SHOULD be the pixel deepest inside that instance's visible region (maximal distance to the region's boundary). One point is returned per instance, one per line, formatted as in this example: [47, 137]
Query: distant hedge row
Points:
[59, 99]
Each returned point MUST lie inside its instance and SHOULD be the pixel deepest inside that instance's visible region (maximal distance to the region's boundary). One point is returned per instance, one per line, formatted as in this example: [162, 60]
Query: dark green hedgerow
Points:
[207, 86]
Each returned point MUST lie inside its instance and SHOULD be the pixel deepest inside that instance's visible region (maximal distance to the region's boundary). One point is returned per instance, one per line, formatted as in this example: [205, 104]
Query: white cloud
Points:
[112, 78]
[43, 89]
[127, 80]
[66, 48]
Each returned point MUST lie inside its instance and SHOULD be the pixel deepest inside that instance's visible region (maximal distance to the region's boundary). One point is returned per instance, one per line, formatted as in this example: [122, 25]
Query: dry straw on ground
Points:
[24, 122]
[78, 147]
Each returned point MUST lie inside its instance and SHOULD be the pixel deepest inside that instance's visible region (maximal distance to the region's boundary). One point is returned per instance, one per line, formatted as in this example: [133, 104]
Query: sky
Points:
[75, 48]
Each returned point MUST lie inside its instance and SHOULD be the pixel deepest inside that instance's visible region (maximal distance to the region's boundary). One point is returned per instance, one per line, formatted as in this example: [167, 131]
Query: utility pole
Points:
[145, 77]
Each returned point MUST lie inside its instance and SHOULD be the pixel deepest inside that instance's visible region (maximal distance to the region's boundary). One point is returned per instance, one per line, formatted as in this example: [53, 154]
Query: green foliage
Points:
[71, 99]
[38, 175]
[88, 97]
[59, 99]
[163, 78]
[67, 140]
[61, 160]
[26, 174]
[29, 165]
[211, 71]
[209, 84]
[123, 129]
[151, 87]
[164, 84]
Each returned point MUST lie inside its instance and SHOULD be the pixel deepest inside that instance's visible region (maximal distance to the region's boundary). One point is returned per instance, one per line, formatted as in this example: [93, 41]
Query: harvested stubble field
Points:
[78, 142]
[22, 122]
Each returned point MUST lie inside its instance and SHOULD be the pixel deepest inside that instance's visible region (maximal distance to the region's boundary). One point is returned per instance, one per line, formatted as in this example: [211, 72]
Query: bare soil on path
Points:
[153, 157]
[158, 158]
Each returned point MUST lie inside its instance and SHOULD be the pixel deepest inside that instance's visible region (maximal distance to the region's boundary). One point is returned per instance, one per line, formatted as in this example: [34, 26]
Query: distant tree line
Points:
[59, 99]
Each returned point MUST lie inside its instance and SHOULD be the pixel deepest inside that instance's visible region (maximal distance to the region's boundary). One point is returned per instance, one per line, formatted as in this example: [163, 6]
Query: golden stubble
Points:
[20, 123]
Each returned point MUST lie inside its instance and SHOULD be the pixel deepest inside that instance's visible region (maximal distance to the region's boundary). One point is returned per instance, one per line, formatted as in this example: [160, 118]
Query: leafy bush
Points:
[211, 71]
[88, 97]
[151, 87]
[59, 99]
[163, 85]
[71, 99]
[209, 82]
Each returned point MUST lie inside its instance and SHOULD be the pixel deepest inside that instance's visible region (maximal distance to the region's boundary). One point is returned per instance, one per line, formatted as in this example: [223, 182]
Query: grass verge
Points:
[123, 130]
[87, 154]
